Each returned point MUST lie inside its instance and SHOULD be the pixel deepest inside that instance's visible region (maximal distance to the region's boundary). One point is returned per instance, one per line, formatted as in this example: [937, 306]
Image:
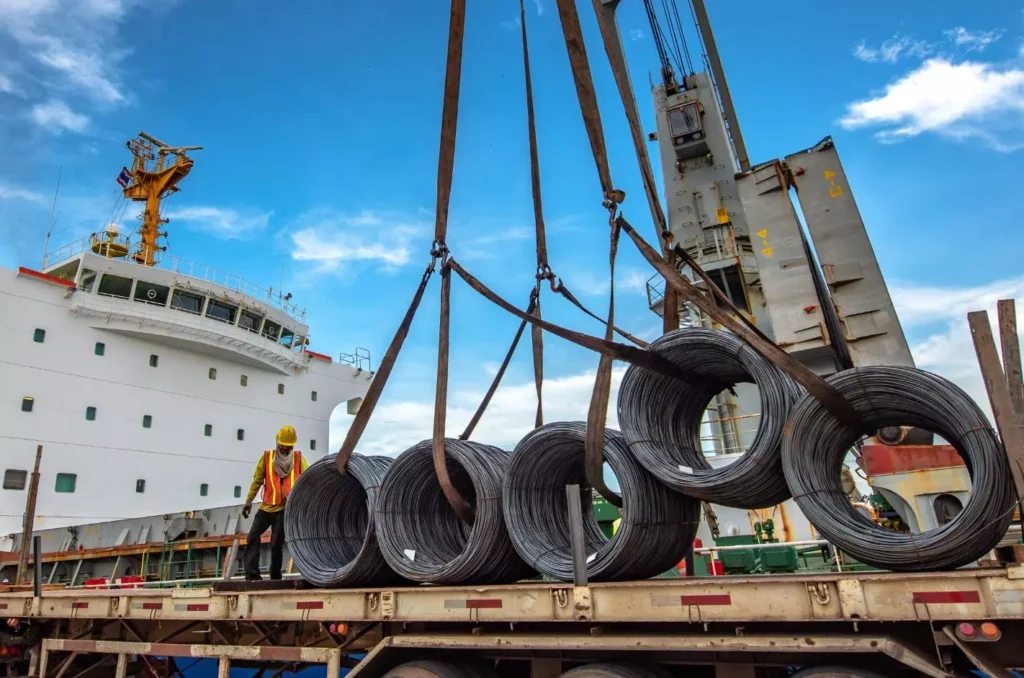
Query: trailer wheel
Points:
[430, 668]
[618, 670]
[833, 671]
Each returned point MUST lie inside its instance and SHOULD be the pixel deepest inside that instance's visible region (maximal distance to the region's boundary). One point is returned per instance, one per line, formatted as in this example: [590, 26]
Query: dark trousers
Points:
[251, 558]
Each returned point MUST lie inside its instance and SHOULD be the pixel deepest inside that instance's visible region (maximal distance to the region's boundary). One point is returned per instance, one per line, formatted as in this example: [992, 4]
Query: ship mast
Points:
[154, 177]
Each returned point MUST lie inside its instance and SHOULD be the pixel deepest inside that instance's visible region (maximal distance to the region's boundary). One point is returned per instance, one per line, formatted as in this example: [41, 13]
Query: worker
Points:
[276, 471]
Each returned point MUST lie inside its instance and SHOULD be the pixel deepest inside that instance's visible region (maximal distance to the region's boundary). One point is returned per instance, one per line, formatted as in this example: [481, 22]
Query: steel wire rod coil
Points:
[329, 523]
[661, 418]
[657, 528]
[419, 533]
[816, 444]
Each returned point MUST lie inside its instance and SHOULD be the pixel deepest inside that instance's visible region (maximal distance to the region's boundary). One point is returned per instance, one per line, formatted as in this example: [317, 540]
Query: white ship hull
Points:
[176, 432]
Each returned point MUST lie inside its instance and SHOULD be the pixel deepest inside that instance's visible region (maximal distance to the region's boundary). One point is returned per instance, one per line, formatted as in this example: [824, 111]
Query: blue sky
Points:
[320, 126]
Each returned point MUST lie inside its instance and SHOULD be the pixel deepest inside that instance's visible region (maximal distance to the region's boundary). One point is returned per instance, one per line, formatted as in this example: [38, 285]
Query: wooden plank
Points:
[1011, 353]
[998, 395]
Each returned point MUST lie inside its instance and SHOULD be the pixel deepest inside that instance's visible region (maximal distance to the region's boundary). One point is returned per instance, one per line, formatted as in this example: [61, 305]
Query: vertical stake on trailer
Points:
[28, 523]
[579, 556]
[1007, 421]
[37, 566]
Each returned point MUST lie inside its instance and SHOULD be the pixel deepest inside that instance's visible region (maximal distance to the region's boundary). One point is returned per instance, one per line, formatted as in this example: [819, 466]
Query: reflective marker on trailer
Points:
[79, 605]
[309, 605]
[693, 599]
[192, 607]
[472, 604]
[946, 597]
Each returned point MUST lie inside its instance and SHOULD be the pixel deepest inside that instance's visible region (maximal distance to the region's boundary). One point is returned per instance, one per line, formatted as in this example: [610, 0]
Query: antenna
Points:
[49, 225]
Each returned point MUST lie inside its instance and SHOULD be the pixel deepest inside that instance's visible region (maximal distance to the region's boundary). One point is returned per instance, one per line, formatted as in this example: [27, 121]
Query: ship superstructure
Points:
[152, 383]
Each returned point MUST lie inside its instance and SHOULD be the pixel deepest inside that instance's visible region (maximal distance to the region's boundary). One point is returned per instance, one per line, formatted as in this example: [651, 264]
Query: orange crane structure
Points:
[154, 177]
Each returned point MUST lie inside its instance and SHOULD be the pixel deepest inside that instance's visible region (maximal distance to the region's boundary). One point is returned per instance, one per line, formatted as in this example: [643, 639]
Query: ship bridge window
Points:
[286, 337]
[39, 336]
[86, 280]
[26, 403]
[250, 321]
[271, 330]
[238, 491]
[115, 286]
[100, 348]
[188, 302]
[140, 485]
[299, 344]
[204, 490]
[151, 293]
[218, 310]
[14, 479]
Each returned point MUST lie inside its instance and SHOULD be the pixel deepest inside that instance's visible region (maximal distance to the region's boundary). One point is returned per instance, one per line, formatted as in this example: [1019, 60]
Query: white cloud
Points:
[8, 192]
[227, 224]
[539, 4]
[972, 41]
[56, 116]
[84, 69]
[67, 50]
[893, 49]
[935, 321]
[589, 283]
[958, 100]
[394, 427]
[636, 34]
[488, 246]
[333, 239]
[6, 84]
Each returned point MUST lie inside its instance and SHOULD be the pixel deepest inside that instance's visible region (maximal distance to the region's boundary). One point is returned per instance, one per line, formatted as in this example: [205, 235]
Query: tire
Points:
[618, 670]
[834, 671]
[430, 668]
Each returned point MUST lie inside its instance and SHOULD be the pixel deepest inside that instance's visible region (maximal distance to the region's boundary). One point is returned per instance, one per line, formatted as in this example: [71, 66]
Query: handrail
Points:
[191, 269]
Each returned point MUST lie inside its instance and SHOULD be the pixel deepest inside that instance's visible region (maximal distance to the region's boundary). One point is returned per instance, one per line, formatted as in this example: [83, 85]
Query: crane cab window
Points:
[115, 286]
[684, 120]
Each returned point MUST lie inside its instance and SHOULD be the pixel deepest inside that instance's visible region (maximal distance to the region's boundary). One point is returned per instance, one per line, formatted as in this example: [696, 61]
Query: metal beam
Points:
[718, 73]
[28, 523]
[652, 642]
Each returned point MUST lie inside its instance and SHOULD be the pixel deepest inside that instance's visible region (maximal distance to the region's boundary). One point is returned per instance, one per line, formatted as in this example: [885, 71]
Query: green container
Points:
[779, 559]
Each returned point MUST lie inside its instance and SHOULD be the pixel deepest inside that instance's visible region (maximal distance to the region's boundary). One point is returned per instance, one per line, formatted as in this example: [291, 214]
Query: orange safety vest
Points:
[275, 489]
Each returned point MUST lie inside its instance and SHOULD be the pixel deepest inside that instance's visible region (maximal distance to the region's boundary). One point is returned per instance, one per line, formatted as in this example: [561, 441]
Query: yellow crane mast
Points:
[154, 176]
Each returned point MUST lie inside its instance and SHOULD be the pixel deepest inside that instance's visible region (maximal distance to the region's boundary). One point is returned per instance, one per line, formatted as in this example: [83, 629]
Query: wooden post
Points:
[28, 524]
[1011, 353]
[999, 396]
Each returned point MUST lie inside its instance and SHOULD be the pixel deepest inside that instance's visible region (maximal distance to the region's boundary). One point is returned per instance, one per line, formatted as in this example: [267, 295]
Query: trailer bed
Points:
[865, 596]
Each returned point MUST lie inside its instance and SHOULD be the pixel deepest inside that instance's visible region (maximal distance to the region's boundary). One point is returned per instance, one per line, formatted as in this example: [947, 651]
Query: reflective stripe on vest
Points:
[276, 489]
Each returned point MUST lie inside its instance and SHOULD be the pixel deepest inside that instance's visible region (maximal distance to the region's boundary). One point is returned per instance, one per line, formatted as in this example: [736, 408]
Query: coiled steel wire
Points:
[419, 533]
[661, 418]
[329, 523]
[658, 525]
[816, 444]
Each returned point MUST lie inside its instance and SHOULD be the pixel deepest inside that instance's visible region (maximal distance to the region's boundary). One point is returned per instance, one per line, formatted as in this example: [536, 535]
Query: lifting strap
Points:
[597, 416]
[445, 166]
[605, 12]
[624, 352]
[585, 91]
[560, 287]
[543, 268]
[821, 390]
[501, 372]
[380, 379]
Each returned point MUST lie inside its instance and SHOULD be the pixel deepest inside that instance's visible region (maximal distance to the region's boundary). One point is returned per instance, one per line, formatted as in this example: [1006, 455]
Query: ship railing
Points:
[192, 269]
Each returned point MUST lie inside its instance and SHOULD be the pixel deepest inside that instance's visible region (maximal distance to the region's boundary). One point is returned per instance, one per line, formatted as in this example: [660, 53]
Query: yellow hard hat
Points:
[287, 436]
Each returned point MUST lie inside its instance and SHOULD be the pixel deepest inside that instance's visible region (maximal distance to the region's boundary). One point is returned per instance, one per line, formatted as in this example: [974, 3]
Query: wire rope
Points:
[329, 523]
[816, 444]
[657, 527]
[419, 533]
[661, 418]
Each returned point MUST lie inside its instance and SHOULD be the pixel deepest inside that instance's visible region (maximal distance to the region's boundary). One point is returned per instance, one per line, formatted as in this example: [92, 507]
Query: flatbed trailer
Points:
[736, 626]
